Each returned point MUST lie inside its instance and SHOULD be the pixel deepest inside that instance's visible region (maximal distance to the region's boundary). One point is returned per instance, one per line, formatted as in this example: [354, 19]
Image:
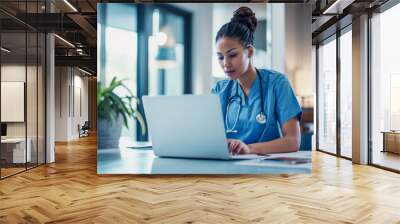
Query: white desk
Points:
[138, 161]
[18, 149]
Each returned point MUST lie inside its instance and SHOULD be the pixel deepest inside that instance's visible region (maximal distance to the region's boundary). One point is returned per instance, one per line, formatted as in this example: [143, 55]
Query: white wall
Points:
[33, 126]
[292, 45]
[80, 83]
[12, 73]
[70, 84]
[61, 103]
[298, 48]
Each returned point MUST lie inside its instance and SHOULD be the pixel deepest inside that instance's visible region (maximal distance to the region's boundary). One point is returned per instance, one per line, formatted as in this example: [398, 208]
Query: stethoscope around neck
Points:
[260, 117]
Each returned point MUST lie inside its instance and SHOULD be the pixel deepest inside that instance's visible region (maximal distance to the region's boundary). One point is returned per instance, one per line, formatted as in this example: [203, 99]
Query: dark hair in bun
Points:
[242, 26]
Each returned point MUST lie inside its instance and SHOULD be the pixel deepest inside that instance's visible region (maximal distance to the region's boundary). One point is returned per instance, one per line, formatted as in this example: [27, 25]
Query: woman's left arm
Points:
[290, 142]
[288, 113]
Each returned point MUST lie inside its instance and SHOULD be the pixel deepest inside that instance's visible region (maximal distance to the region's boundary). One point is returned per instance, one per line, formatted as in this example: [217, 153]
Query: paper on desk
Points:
[273, 163]
[299, 154]
[140, 145]
[298, 159]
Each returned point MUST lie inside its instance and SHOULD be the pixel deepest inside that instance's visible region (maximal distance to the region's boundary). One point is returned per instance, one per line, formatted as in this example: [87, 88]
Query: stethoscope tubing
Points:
[261, 118]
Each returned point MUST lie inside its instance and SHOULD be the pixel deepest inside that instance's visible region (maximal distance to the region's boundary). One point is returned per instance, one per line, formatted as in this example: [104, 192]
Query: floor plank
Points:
[70, 191]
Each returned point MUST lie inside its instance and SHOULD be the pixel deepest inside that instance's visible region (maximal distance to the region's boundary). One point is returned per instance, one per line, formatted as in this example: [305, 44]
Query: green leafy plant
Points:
[110, 105]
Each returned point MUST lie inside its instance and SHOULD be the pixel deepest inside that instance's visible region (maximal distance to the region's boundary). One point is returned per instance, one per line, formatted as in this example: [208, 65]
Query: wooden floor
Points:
[70, 191]
[10, 171]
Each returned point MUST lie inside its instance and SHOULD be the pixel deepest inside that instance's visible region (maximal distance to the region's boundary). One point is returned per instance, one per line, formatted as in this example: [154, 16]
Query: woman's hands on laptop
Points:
[236, 146]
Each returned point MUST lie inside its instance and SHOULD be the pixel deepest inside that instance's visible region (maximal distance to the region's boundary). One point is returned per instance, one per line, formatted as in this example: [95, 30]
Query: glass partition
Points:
[346, 94]
[385, 89]
[14, 152]
[327, 96]
[22, 88]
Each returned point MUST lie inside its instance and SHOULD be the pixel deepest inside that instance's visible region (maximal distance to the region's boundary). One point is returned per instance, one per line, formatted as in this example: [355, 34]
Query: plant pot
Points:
[109, 132]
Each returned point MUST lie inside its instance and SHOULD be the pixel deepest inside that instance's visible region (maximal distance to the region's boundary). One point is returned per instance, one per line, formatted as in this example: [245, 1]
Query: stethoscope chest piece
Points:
[261, 119]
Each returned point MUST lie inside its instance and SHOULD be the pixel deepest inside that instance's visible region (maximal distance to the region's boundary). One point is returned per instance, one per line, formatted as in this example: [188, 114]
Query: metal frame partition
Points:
[380, 9]
[341, 32]
[338, 29]
[29, 30]
[333, 33]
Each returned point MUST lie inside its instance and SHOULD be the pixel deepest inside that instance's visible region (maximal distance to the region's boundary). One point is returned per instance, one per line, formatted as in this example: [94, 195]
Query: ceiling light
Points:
[5, 50]
[337, 7]
[84, 71]
[65, 41]
[70, 5]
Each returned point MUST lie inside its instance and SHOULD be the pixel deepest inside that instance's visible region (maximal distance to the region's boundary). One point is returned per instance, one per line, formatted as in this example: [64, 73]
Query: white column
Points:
[360, 90]
[63, 101]
[50, 99]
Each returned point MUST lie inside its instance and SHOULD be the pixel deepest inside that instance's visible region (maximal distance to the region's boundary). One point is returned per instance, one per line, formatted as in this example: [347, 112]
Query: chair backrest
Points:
[306, 141]
[86, 125]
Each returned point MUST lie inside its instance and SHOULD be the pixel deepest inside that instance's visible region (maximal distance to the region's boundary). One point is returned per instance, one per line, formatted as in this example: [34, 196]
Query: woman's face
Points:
[233, 57]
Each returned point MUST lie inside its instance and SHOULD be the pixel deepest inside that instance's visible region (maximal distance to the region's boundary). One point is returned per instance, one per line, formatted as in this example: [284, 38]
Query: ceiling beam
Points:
[86, 26]
[83, 61]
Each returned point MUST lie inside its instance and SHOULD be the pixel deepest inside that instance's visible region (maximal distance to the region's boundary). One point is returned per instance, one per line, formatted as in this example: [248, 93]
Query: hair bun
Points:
[245, 16]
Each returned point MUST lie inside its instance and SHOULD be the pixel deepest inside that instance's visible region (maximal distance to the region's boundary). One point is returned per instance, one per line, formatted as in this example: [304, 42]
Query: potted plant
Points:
[113, 111]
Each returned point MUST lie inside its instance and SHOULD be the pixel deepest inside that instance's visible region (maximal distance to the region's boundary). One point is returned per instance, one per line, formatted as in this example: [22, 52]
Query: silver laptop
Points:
[188, 126]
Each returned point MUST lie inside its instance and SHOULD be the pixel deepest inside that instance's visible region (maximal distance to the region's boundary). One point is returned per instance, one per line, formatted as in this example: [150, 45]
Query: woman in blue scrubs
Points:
[260, 109]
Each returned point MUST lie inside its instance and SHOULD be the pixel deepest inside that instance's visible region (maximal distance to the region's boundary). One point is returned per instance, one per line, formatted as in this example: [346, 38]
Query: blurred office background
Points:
[344, 74]
[169, 49]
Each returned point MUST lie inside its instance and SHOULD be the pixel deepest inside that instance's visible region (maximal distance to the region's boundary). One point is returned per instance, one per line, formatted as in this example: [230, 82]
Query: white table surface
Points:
[142, 161]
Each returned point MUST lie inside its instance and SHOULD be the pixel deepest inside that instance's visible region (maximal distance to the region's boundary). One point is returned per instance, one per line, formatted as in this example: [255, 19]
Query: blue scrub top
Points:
[280, 105]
